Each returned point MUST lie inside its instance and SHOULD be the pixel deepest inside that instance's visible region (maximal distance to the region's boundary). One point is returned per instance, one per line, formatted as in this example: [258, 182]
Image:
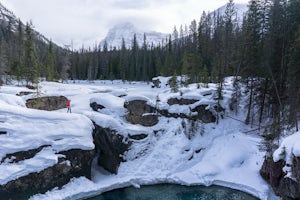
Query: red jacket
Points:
[68, 103]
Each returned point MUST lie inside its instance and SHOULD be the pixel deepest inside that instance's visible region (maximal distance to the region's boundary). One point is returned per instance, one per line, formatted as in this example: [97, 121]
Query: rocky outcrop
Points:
[73, 163]
[204, 115]
[110, 147]
[21, 155]
[286, 187]
[181, 101]
[139, 112]
[47, 103]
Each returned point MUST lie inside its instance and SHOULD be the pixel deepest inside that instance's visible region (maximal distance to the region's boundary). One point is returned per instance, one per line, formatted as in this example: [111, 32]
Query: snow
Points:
[223, 155]
[288, 148]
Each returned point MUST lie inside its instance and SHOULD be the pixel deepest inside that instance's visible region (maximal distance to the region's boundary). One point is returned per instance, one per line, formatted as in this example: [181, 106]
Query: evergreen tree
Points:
[31, 63]
[18, 68]
[51, 71]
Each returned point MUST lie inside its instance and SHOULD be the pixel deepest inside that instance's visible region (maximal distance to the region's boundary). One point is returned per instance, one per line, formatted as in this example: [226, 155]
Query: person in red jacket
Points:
[69, 106]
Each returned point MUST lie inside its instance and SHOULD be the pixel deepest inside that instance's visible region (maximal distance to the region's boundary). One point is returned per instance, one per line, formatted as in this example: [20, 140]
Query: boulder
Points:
[110, 147]
[286, 187]
[47, 103]
[73, 163]
[139, 112]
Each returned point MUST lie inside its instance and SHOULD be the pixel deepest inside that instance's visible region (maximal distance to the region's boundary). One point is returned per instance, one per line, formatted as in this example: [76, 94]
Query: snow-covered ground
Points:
[224, 155]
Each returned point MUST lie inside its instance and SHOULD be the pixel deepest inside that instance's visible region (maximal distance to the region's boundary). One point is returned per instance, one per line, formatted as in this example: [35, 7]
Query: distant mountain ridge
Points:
[127, 31]
[8, 18]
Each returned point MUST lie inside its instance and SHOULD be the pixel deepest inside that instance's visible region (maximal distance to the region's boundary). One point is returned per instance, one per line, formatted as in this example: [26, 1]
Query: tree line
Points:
[262, 50]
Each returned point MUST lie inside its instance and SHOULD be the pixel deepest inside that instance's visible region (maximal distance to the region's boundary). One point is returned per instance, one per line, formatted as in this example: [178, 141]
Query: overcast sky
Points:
[86, 22]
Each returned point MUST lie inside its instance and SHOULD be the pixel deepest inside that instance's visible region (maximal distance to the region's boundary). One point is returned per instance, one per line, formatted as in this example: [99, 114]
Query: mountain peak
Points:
[127, 30]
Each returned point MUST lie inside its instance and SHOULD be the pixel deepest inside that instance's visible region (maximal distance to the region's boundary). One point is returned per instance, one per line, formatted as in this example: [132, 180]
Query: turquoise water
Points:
[175, 192]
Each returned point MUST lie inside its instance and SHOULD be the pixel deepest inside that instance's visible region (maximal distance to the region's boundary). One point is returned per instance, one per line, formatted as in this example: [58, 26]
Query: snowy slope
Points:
[127, 31]
[223, 155]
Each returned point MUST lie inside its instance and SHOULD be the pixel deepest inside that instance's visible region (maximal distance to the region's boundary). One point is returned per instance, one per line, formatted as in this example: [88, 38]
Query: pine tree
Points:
[51, 72]
[123, 61]
[18, 69]
[31, 63]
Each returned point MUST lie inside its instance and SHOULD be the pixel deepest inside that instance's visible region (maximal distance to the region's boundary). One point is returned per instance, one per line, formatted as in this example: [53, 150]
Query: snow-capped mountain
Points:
[241, 9]
[127, 31]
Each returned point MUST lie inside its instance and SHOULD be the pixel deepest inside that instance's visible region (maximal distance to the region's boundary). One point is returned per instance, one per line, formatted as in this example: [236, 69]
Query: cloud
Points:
[88, 21]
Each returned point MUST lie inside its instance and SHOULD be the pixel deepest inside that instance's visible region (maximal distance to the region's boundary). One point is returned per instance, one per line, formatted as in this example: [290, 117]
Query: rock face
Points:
[74, 163]
[204, 115]
[287, 188]
[47, 103]
[110, 147]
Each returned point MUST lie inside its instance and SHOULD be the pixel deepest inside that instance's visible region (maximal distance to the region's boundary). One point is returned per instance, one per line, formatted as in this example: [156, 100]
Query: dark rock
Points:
[96, 106]
[141, 113]
[138, 137]
[272, 171]
[145, 120]
[206, 116]
[22, 155]
[24, 93]
[2, 132]
[283, 186]
[75, 164]
[182, 101]
[47, 103]
[156, 83]
[31, 87]
[138, 107]
[111, 146]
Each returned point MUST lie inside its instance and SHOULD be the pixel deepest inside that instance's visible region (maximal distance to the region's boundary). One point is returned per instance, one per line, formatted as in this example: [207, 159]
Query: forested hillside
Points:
[263, 52]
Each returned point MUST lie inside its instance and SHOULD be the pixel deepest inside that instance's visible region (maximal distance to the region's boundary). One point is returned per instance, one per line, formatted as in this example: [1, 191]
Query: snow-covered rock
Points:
[283, 170]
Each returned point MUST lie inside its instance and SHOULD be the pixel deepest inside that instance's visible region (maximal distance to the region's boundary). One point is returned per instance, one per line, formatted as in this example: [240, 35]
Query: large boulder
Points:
[286, 187]
[110, 147]
[139, 112]
[181, 101]
[47, 103]
[72, 163]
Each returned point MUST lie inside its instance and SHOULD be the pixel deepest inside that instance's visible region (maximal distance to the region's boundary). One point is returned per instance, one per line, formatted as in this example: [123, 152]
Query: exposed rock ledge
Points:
[139, 112]
[47, 103]
[75, 163]
[287, 188]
